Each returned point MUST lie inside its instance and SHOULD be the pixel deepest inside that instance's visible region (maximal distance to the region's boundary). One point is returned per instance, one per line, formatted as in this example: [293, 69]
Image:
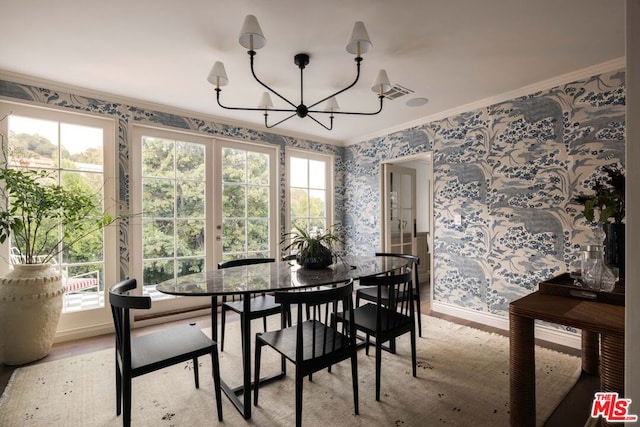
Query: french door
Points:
[198, 201]
[76, 151]
[399, 209]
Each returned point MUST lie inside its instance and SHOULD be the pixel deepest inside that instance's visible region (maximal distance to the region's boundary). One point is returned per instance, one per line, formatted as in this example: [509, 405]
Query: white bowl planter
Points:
[30, 306]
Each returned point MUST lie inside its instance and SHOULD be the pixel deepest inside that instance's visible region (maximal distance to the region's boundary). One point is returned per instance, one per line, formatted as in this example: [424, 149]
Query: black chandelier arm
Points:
[293, 115]
[252, 53]
[282, 110]
[322, 124]
[281, 121]
[353, 113]
[358, 60]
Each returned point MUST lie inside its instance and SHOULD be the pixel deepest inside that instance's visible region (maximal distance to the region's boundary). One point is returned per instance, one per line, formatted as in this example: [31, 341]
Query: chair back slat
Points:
[320, 335]
[399, 288]
[240, 262]
[121, 303]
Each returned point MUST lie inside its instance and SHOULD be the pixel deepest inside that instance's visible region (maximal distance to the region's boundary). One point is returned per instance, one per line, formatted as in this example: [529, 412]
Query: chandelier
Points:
[252, 38]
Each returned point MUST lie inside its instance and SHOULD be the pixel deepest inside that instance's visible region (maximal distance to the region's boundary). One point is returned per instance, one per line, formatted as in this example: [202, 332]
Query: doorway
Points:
[396, 229]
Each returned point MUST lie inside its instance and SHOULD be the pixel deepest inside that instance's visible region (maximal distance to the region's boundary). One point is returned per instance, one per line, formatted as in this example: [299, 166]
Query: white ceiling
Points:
[453, 52]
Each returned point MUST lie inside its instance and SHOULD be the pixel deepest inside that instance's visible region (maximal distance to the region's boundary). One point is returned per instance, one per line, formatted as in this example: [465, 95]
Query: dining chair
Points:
[370, 294]
[139, 355]
[261, 306]
[315, 343]
[386, 320]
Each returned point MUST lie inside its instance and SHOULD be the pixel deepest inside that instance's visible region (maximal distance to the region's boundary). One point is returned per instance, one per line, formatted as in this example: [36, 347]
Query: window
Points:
[309, 193]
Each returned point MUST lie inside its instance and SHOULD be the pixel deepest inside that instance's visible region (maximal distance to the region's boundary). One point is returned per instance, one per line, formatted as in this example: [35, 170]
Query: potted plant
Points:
[312, 251]
[608, 200]
[33, 207]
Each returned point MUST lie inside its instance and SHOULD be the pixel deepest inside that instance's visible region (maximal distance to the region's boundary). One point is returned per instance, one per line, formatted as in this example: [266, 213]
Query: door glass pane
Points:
[246, 207]
[173, 210]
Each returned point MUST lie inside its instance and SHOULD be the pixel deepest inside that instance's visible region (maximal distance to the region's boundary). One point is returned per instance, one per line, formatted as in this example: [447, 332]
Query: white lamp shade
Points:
[265, 101]
[381, 84]
[218, 75]
[332, 104]
[359, 42]
[251, 36]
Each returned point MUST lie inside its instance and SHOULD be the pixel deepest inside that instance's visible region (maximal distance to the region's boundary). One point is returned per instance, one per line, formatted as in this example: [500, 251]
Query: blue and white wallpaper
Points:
[509, 170]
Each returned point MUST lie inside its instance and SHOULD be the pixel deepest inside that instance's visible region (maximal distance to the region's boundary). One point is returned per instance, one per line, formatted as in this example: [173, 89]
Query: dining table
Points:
[268, 277]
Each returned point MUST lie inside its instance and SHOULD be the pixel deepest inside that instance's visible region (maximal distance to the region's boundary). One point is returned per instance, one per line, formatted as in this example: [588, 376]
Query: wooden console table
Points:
[593, 317]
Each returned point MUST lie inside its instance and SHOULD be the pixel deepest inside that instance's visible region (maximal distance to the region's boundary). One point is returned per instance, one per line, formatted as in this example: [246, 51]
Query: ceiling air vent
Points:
[397, 91]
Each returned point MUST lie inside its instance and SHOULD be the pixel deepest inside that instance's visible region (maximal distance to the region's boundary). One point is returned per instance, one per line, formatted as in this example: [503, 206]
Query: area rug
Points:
[463, 380]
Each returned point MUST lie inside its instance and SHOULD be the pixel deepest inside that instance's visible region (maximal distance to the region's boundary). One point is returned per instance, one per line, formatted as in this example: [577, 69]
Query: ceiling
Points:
[453, 52]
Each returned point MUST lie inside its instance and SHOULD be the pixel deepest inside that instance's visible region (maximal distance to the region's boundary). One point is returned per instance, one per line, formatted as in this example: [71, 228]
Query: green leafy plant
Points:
[608, 197]
[306, 245]
[34, 207]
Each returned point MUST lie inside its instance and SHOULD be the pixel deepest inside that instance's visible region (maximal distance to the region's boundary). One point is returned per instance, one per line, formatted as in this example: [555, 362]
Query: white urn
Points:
[30, 306]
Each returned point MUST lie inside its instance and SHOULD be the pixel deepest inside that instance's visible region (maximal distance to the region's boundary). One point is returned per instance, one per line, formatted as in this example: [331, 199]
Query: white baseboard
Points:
[83, 332]
[546, 333]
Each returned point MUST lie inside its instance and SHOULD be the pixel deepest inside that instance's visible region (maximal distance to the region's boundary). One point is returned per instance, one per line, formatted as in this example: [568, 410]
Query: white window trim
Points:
[310, 155]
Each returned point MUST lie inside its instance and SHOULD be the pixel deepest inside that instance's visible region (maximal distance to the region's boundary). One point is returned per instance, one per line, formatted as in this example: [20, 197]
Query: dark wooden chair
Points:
[139, 355]
[370, 294]
[261, 306]
[387, 320]
[316, 343]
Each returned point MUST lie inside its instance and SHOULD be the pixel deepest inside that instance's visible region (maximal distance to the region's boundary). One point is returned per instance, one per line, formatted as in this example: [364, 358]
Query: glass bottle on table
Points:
[596, 275]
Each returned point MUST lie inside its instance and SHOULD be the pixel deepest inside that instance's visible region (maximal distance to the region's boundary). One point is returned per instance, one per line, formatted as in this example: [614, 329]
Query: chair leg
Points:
[256, 371]
[223, 317]
[299, 383]
[118, 387]
[242, 330]
[264, 323]
[215, 364]
[413, 352]
[418, 312]
[366, 345]
[196, 376]
[354, 380]
[126, 397]
[378, 368]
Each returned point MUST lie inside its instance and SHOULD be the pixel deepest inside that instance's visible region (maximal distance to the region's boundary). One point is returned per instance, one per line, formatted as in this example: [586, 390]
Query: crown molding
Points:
[583, 73]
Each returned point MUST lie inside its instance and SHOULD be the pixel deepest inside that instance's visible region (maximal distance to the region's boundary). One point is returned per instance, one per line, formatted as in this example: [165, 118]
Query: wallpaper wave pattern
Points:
[510, 171]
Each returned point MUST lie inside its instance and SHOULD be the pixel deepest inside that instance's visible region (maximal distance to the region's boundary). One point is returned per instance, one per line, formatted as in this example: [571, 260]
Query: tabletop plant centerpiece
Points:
[33, 209]
[608, 201]
[313, 250]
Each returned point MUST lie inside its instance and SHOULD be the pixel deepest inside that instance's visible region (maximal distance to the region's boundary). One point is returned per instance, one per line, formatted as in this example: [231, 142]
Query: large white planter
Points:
[30, 306]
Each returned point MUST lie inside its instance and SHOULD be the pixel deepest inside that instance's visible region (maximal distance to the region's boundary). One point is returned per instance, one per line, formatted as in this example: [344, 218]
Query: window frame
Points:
[329, 160]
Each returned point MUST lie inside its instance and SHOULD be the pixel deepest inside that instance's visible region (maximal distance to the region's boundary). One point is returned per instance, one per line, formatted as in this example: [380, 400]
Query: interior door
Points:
[399, 213]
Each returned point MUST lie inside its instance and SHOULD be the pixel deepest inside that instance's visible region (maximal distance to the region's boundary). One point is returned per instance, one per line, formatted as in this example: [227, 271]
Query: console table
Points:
[593, 317]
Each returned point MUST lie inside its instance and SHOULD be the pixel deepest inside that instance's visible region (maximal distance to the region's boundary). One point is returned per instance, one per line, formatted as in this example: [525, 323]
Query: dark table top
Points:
[280, 275]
